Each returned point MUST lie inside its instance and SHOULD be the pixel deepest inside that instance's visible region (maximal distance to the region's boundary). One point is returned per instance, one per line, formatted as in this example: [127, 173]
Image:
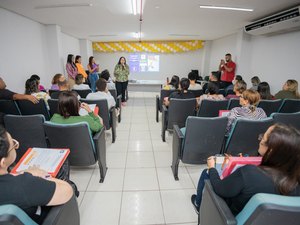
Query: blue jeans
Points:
[204, 176]
[93, 77]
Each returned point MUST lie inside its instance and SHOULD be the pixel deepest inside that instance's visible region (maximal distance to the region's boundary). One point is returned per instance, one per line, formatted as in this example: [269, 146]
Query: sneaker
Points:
[193, 200]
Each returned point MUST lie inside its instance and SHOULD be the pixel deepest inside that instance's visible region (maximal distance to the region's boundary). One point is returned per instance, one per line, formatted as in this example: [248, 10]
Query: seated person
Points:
[57, 78]
[62, 86]
[6, 94]
[102, 93]
[264, 91]
[248, 110]
[31, 88]
[79, 83]
[255, 82]
[32, 188]
[289, 90]
[213, 77]
[235, 79]
[182, 93]
[68, 112]
[239, 87]
[106, 76]
[212, 93]
[193, 85]
[278, 172]
[38, 79]
[173, 84]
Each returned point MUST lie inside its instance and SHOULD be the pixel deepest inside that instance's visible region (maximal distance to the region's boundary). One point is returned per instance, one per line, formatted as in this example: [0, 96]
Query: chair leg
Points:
[157, 119]
[174, 167]
[163, 135]
[113, 134]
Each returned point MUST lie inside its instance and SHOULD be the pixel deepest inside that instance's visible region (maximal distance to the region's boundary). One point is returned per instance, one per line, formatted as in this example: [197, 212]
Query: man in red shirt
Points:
[228, 71]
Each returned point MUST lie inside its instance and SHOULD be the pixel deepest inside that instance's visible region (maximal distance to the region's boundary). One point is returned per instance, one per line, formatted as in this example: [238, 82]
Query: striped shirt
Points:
[245, 113]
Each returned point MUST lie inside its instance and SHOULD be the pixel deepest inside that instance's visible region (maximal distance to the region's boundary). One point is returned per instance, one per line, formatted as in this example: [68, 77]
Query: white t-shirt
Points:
[81, 87]
[102, 95]
[196, 86]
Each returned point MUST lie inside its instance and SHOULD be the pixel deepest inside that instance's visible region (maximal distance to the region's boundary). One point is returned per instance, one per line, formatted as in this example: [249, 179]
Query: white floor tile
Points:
[81, 176]
[195, 173]
[118, 146]
[163, 158]
[140, 127]
[140, 160]
[139, 135]
[99, 208]
[143, 179]
[122, 135]
[177, 206]
[140, 145]
[141, 208]
[116, 159]
[166, 179]
[113, 181]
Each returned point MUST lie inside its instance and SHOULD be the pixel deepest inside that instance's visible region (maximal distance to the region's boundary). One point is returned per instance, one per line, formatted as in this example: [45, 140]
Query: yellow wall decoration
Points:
[149, 46]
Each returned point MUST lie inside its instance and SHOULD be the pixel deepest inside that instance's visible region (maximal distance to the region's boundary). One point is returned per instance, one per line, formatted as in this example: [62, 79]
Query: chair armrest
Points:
[157, 103]
[213, 209]
[98, 138]
[118, 101]
[177, 141]
[164, 118]
[66, 214]
[100, 146]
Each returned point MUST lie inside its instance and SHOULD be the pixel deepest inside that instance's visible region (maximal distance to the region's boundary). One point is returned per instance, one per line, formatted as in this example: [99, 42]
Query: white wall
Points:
[23, 50]
[170, 64]
[70, 45]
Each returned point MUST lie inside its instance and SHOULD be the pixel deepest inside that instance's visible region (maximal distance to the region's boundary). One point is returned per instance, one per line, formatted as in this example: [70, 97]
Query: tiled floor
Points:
[139, 187]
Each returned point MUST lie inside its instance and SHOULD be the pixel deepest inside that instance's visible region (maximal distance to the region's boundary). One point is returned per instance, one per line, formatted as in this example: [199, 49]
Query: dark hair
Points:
[69, 60]
[35, 77]
[212, 88]
[56, 77]
[91, 61]
[120, 60]
[238, 77]
[79, 79]
[174, 82]
[216, 74]
[105, 75]
[31, 86]
[68, 104]
[184, 84]
[4, 143]
[101, 84]
[255, 80]
[240, 86]
[264, 91]
[282, 157]
[192, 75]
[76, 58]
[62, 83]
[228, 54]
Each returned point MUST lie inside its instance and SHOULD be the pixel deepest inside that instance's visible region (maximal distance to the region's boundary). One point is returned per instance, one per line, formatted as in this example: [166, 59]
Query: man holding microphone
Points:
[228, 71]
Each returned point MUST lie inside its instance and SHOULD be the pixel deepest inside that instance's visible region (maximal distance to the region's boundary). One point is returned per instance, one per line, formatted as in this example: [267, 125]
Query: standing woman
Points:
[71, 70]
[121, 74]
[93, 69]
[80, 68]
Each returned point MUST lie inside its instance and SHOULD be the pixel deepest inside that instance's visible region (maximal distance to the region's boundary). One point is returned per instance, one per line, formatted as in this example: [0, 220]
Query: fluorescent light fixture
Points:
[134, 6]
[67, 5]
[224, 7]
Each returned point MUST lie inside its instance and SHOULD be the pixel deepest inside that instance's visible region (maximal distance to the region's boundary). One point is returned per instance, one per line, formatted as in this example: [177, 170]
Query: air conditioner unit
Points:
[282, 22]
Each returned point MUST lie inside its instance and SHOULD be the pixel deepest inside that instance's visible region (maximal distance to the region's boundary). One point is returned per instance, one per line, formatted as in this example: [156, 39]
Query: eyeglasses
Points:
[15, 145]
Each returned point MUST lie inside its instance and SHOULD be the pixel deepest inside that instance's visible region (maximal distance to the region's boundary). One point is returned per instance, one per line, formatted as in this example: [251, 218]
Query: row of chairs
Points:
[24, 107]
[34, 131]
[206, 136]
[180, 109]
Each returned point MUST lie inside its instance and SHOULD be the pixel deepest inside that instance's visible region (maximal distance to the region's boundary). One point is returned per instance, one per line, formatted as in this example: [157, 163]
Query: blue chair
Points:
[202, 138]
[28, 108]
[270, 106]
[290, 106]
[9, 107]
[211, 108]
[159, 101]
[66, 214]
[290, 119]
[233, 102]
[85, 149]
[243, 137]
[261, 209]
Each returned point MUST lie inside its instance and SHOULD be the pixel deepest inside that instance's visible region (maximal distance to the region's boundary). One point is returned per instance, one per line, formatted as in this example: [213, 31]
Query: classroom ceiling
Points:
[113, 20]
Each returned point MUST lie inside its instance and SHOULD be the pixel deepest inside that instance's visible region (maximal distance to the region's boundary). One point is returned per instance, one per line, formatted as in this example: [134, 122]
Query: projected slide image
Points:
[143, 63]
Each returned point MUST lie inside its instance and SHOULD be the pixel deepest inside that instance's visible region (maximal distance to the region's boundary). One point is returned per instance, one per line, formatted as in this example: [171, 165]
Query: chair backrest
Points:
[270, 209]
[28, 108]
[28, 130]
[52, 91]
[203, 138]
[291, 119]
[243, 137]
[229, 92]
[270, 106]
[233, 102]
[83, 93]
[163, 94]
[290, 106]
[211, 108]
[179, 110]
[13, 215]
[9, 107]
[197, 93]
[113, 92]
[53, 106]
[76, 137]
[222, 92]
[103, 110]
